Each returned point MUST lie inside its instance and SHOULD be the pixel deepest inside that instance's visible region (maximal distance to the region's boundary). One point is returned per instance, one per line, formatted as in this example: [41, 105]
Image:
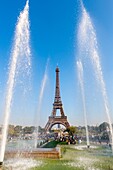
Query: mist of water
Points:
[22, 163]
[20, 49]
[43, 85]
[88, 47]
[81, 82]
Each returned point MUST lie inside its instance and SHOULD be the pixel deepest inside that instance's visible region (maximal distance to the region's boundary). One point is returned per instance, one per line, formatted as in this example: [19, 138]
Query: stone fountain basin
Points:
[34, 153]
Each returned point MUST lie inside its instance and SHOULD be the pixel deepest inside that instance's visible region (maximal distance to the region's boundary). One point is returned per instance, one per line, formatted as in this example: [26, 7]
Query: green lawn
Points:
[53, 144]
[73, 159]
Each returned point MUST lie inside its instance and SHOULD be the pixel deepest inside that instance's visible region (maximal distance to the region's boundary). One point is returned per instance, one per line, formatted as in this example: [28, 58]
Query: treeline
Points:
[100, 130]
[20, 130]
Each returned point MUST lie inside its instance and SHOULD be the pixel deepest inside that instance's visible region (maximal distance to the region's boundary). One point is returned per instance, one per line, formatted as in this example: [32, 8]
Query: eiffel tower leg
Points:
[62, 111]
[54, 112]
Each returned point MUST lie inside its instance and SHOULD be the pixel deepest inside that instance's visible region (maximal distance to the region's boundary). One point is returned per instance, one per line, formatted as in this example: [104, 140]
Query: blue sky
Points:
[53, 33]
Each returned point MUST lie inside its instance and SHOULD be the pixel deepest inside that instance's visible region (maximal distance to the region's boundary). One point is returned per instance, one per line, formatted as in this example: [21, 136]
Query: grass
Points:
[54, 165]
[73, 159]
[53, 144]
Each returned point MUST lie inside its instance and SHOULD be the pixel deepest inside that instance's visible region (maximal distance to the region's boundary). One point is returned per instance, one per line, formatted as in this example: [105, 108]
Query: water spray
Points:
[88, 47]
[20, 48]
[81, 81]
[43, 85]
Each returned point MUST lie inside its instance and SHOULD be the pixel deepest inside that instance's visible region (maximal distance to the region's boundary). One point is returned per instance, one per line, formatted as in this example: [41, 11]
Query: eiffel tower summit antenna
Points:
[57, 105]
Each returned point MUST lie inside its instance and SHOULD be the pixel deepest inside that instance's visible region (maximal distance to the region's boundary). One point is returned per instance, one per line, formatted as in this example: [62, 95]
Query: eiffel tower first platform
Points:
[57, 105]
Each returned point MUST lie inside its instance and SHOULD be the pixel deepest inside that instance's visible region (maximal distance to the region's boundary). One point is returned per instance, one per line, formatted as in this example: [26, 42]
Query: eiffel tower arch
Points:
[57, 105]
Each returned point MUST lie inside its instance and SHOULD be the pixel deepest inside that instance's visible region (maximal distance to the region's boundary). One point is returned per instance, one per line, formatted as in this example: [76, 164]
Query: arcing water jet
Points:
[81, 81]
[88, 47]
[43, 85]
[20, 49]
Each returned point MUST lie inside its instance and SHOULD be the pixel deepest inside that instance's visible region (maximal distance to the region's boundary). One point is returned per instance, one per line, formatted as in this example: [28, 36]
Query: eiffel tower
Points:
[54, 119]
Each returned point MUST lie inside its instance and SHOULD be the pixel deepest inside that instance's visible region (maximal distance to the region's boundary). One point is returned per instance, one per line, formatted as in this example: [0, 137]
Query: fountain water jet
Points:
[81, 81]
[43, 85]
[20, 49]
[88, 47]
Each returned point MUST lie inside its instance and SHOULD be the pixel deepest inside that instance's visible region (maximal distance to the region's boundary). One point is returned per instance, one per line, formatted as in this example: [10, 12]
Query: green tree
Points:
[40, 129]
[17, 130]
[103, 127]
[28, 130]
[71, 130]
[11, 130]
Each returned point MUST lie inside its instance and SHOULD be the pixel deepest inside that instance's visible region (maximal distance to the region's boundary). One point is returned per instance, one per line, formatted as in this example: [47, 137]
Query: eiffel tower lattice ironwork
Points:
[54, 119]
